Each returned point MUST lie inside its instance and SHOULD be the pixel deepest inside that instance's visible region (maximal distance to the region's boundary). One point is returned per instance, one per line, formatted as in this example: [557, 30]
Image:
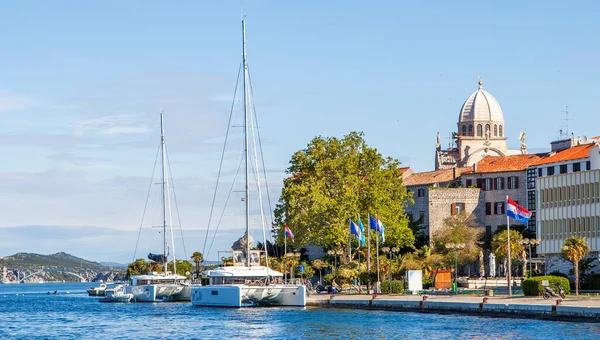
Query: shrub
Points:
[396, 285]
[365, 277]
[533, 286]
[328, 278]
[427, 283]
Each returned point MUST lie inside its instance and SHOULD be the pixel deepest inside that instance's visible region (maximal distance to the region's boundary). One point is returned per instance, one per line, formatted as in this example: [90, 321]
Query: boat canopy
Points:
[254, 271]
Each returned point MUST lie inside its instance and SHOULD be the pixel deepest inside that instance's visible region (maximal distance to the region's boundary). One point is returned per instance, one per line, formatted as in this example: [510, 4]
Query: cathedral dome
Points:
[481, 107]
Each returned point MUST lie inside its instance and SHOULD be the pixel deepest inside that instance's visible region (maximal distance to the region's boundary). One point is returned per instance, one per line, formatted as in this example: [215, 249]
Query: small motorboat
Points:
[97, 291]
[117, 294]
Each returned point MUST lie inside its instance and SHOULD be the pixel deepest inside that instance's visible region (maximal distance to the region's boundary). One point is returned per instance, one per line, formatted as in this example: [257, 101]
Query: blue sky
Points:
[82, 83]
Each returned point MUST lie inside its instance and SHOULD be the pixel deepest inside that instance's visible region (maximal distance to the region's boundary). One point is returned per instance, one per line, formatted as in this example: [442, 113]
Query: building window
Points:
[489, 184]
[495, 130]
[499, 183]
[563, 169]
[550, 170]
[421, 217]
[487, 129]
[588, 165]
[499, 208]
[464, 130]
[469, 183]
[470, 129]
[421, 193]
[531, 178]
[576, 167]
[479, 130]
[540, 172]
[488, 208]
[500, 131]
[513, 182]
[531, 200]
[457, 208]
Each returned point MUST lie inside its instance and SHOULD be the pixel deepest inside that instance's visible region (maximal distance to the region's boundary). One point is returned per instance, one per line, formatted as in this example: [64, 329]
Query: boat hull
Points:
[159, 293]
[242, 295]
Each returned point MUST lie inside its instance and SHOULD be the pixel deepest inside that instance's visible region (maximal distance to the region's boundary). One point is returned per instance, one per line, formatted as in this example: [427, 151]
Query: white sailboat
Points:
[246, 281]
[163, 286]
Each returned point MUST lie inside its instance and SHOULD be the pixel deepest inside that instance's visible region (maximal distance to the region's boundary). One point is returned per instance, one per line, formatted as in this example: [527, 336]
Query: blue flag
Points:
[355, 230]
[375, 224]
[362, 230]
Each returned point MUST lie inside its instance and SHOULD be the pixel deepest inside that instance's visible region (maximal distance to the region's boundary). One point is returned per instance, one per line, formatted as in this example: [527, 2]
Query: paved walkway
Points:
[571, 300]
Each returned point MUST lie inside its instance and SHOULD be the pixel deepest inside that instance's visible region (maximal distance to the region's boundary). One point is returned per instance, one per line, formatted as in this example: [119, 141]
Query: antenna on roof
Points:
[566, 126]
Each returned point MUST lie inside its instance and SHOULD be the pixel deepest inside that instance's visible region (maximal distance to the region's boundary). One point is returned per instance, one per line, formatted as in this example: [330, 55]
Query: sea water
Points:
[33, 311]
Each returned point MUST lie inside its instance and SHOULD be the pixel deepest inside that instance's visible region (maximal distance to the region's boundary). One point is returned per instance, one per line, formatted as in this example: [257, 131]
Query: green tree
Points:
[333, 180]
[458, 229]
[137, 267]
[183, 267]
[197, 258]
[500, 245]
[319, 265]
[575, 248]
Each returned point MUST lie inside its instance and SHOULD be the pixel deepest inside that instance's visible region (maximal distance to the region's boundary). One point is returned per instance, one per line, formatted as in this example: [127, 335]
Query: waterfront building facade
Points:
[567, 202]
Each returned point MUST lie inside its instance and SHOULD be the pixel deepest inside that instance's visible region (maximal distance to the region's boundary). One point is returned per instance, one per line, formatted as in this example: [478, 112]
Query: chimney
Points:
[474, 167]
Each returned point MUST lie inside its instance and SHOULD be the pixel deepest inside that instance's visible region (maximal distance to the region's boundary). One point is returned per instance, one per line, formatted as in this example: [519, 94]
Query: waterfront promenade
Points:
[583, 309]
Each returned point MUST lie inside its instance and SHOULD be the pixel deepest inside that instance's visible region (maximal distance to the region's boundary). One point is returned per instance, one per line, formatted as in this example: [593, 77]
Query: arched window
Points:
[495, 130]
[464, 130]
[470, 129]
[500, 132]
[479, 130]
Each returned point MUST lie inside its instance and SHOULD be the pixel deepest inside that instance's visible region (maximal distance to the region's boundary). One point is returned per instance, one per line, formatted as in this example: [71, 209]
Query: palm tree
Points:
[197, 258]
[575, 248]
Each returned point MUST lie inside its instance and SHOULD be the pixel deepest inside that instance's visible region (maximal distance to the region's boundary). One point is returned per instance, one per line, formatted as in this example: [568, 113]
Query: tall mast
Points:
[164, 191]
[246, 142]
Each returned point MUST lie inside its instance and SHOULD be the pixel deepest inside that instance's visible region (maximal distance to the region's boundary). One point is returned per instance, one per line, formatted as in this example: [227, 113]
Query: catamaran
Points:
[246, 282]
[161, 286]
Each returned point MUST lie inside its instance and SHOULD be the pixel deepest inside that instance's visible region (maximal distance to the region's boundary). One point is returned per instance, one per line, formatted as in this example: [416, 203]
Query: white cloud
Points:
[13, 102]
[117, 130]
[110, 125]
[228, 98]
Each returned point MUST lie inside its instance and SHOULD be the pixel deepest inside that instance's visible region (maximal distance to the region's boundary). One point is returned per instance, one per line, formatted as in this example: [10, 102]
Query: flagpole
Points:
[284, 255]
[508, 251]
[377, 254]
[368, 244]
[350, 242]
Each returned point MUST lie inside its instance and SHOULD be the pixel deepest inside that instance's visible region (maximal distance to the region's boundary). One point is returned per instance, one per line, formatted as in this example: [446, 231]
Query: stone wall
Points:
[421, 204]
[440, 205]
[492, 196]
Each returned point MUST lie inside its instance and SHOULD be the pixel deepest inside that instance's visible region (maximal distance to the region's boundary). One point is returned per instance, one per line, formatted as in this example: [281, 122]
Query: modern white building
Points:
[567, 201]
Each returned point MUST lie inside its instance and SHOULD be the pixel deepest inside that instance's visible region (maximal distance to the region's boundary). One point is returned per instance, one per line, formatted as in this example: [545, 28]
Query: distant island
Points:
[59, 267]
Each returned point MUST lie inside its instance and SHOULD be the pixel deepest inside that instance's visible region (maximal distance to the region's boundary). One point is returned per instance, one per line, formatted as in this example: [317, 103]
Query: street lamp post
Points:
[530, 242]
[339, 253]
[388, 250]
[455, 247]
[395, 251]
[331, 253]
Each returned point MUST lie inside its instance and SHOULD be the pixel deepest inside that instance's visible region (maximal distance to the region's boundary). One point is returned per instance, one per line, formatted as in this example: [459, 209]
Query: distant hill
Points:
[113, 265]
[58, 260]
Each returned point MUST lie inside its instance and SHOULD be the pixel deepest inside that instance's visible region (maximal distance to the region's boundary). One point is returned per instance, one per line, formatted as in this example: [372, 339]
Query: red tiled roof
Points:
[431, 177]
[576, 152]
[403, 170]
[506, 163]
